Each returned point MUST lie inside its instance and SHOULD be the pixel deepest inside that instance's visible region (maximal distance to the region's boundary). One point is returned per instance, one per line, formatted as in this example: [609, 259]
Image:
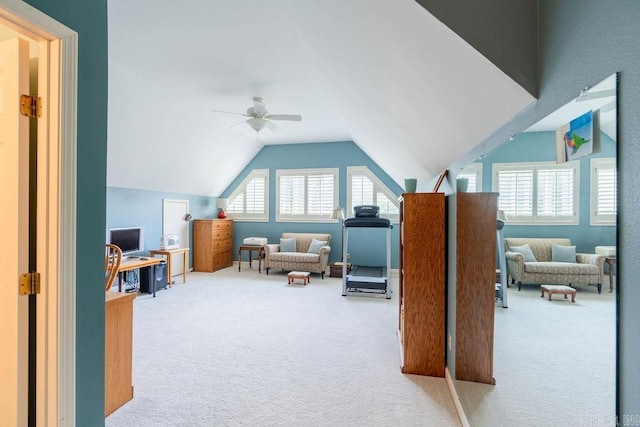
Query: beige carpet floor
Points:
[554, 362]
[245, 349]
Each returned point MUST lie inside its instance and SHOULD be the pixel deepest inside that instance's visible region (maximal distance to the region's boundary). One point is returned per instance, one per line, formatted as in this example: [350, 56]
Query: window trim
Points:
[241, 188]
[378, 185]
[594, 218]
[534, 219]
[307, 172]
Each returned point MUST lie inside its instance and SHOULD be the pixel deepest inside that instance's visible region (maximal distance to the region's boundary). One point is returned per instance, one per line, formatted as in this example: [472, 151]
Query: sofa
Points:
[555, 263]
[299, 258]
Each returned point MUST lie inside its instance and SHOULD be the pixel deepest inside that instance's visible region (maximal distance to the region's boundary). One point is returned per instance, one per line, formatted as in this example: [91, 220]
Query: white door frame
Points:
[56, 218]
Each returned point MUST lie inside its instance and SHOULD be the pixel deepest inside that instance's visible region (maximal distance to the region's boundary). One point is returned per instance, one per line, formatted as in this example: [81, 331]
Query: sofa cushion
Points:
[560, 268]
[294, 257]
[563, 253]
[525, 250]
[314, 247]
[288, 245]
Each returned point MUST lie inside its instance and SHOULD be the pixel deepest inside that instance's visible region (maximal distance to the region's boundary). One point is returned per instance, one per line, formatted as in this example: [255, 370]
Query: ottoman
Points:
[303, 275]
[558, 289]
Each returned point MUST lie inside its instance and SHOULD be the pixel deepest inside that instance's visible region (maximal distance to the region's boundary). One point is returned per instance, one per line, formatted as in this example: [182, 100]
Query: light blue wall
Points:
[366, 246]
[128, 207]
[540, 147]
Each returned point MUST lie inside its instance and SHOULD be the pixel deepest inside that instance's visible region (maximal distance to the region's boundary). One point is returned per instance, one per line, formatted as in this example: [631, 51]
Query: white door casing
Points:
[56, 212]
[173, 222]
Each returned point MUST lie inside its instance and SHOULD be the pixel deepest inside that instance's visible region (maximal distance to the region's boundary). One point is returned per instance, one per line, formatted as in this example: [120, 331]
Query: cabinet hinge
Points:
[29, 283]
[31, 106]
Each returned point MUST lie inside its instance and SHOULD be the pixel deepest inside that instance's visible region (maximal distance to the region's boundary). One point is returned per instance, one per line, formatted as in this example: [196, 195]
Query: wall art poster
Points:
[578, 140]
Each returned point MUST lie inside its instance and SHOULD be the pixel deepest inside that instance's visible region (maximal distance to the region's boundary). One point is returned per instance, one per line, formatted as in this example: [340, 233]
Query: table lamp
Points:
[222, 205]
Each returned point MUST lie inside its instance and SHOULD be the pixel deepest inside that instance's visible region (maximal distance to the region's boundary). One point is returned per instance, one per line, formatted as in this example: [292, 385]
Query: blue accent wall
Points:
[127, 207]
[541, 147]
[366, 246]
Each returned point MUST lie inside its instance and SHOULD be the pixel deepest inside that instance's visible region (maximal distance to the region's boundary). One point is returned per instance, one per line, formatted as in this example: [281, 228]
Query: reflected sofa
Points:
[586, 270]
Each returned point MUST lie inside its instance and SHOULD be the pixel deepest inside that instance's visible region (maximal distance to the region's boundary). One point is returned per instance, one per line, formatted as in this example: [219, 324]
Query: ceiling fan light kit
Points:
[259, 116]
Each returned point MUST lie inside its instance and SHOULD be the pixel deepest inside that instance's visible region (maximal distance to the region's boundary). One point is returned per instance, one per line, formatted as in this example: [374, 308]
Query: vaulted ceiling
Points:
[385, 74]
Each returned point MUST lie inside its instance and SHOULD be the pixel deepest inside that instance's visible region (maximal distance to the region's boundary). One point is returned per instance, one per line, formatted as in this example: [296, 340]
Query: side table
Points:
[251, 248]
[609, 253]
[168, 253]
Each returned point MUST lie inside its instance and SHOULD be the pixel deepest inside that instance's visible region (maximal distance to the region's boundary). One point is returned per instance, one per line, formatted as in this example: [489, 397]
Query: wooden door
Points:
[14, 229]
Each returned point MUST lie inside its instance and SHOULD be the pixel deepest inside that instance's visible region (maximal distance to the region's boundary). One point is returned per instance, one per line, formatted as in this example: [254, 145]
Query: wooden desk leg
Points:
[184, 267]
[259, 260]
[239, 258]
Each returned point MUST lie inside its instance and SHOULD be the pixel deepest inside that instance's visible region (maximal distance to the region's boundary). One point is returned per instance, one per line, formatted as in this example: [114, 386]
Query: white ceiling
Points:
[385, 74]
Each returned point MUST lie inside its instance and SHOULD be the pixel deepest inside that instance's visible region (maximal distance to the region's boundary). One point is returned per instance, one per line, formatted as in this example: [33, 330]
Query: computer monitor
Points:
[129, 240]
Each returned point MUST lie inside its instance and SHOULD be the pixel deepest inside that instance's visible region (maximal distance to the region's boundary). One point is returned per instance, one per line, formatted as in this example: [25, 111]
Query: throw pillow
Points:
[315, 246]
[525, 250]
[288, 245]
[561, 253]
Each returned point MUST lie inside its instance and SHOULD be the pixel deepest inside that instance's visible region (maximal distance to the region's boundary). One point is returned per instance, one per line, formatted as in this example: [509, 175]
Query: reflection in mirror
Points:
[554, 361]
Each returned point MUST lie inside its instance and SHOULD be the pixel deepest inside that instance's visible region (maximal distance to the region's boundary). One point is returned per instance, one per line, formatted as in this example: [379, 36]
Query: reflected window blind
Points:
[516, 193]
[606, 189]
[292, 194]
[555, 192]
[320, 195]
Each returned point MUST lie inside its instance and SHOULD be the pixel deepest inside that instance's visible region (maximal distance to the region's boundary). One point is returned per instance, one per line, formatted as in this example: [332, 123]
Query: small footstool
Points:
[558, 289]
[304, 275]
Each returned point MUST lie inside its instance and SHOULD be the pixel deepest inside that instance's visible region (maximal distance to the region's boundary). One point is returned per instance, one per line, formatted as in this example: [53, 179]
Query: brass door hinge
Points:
[30, 283]
[31, 106]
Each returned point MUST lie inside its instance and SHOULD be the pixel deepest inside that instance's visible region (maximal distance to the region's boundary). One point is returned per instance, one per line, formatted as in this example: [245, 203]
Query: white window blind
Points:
[538, 193]
[306, 195]
[604, 194]
[250, 199]
[364, 188]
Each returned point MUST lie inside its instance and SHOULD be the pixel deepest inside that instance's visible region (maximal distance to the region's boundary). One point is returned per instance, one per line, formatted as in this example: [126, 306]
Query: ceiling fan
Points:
[259, 117]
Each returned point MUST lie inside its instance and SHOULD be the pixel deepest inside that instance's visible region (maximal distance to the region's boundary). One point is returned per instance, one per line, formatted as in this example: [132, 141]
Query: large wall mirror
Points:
[555, 361]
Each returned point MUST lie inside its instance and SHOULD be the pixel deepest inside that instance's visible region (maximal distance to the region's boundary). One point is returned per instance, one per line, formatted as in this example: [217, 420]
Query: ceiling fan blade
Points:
[608, 107]
[291, 117]
[597, 94]
[238, 124]
[272, 127]
[230, 112]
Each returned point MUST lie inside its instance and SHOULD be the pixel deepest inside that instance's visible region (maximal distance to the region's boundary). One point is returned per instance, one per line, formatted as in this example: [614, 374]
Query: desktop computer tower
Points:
[147, 278]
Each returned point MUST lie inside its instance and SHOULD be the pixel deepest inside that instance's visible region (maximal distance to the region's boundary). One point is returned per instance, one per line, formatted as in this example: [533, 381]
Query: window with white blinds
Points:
[538, 193]
[306, 194]
[250, 201]
[604, 196]
[473, 173]
[364, 188]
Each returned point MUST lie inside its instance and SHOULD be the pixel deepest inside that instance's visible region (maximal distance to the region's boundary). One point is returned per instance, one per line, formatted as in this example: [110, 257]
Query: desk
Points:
[128, 264]
[168, 253]
[251, 248]
[118, 342]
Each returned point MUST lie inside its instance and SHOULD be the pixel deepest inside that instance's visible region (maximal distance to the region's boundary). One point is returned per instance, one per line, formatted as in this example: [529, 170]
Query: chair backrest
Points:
[112, 260]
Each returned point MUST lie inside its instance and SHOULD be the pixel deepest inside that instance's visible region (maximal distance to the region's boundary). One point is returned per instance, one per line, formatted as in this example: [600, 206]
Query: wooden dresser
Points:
[212, 244]
[422, 283]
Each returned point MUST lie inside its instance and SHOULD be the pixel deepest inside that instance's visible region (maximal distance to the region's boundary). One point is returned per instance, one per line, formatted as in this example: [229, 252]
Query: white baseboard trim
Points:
[456, 399]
